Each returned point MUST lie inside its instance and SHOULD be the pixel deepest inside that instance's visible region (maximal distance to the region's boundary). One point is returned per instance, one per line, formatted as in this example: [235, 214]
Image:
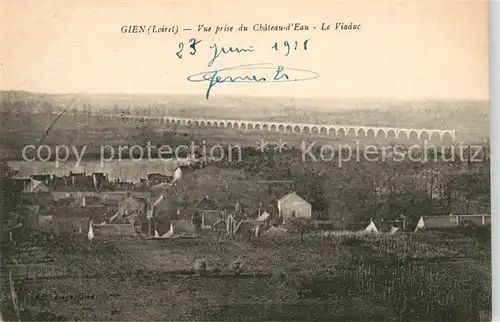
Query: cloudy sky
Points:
[414, 50]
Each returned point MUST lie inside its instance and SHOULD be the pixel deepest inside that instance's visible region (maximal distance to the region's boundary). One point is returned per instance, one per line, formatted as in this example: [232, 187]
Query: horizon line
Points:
[250, 96]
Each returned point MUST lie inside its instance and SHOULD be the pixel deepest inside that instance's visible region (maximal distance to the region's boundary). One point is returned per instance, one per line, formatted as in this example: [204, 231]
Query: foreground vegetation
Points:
[418, 276]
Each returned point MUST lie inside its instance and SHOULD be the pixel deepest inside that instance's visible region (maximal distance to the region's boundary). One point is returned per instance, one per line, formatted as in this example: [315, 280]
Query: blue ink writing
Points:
[223, 50]
[268, 73]
[192, 44]
[289, 47]
[179, 52]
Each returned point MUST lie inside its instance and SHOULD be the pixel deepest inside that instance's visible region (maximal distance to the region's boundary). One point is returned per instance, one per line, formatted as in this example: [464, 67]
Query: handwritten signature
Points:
[268, 73]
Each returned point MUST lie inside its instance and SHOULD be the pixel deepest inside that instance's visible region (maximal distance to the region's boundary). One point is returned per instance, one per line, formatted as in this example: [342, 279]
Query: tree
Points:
[10, 195]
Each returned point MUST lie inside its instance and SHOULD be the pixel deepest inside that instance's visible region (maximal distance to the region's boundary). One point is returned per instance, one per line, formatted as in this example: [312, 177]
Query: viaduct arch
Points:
[290, 127]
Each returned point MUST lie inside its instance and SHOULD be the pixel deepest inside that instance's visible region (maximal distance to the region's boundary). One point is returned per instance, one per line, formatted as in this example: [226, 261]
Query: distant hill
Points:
[469, 118]
[139, 100]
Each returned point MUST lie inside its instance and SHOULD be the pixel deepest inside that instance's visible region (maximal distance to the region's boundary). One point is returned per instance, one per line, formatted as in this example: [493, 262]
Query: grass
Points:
[420, 276]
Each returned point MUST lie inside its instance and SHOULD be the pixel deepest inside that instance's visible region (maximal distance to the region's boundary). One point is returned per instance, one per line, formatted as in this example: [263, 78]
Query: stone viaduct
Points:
[290, 127]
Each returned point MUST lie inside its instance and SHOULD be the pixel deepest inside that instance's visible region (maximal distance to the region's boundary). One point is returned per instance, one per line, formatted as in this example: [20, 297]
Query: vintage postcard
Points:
[264, 161]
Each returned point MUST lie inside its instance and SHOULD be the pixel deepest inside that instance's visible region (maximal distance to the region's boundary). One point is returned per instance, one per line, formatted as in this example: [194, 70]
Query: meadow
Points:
[408, 276]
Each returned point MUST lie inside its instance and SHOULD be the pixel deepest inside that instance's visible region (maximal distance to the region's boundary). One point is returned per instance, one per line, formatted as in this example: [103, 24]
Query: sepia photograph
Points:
[245, 161]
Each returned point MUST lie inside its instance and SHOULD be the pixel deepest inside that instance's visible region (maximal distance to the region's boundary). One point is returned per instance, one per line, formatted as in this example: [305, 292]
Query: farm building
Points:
[292, 205]
[180, 228]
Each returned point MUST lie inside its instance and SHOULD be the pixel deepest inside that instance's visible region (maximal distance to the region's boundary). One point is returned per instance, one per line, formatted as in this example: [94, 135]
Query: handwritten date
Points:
[192, 45]
[291, 46]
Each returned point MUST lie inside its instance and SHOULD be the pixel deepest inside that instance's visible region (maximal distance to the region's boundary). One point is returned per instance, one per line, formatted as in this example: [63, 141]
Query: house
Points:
[181, 228]
[437, 222]
[292, 205]
[35, 186]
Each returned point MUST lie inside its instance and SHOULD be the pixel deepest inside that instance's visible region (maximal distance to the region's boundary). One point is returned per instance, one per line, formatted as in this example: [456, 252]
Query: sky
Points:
[404, 50]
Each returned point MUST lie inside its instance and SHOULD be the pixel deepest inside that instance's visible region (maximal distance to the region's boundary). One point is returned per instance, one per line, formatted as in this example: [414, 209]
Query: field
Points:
[414, 276]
